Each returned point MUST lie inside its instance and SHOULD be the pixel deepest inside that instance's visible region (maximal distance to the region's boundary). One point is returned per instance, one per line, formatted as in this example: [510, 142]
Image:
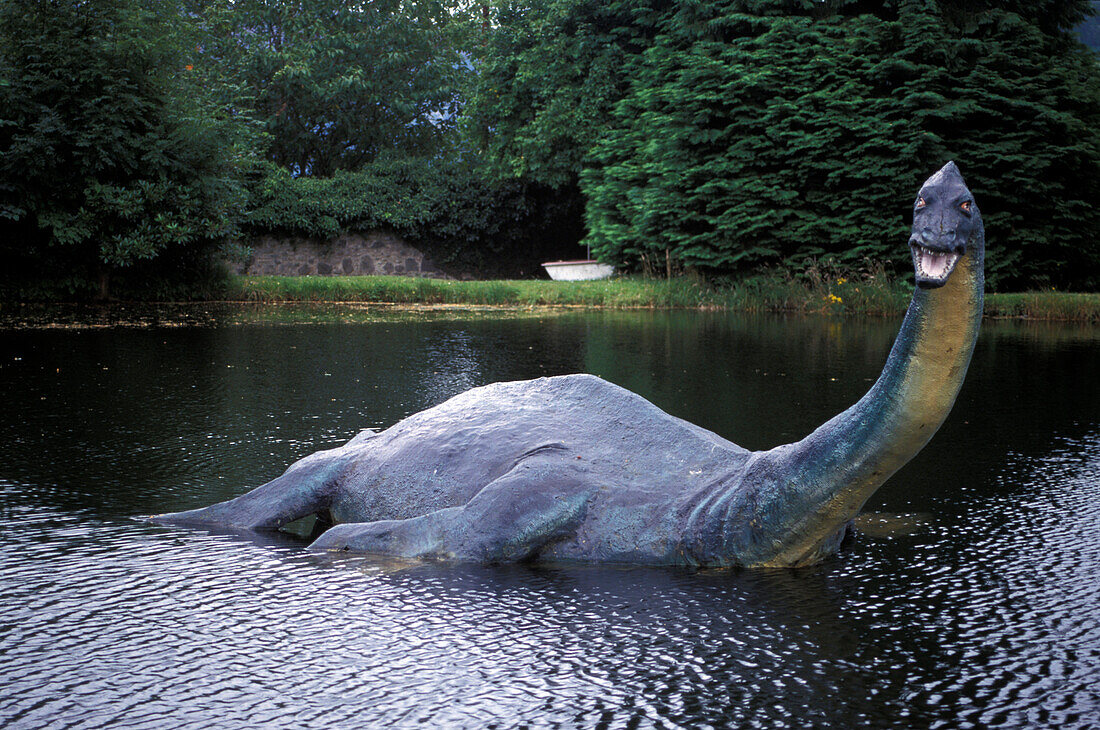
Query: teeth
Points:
[935, 264]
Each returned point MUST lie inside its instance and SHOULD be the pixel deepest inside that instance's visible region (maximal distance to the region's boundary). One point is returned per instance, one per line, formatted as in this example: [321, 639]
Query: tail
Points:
[306, 488]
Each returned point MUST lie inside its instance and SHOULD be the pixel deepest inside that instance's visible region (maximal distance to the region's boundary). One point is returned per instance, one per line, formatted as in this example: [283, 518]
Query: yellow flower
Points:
[842, 280]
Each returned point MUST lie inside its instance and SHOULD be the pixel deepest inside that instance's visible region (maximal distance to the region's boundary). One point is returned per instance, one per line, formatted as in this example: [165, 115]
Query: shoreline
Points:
[844, 298]
[874, 296]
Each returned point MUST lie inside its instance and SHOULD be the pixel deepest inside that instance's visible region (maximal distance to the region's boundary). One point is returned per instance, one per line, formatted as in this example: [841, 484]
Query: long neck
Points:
[814, 487]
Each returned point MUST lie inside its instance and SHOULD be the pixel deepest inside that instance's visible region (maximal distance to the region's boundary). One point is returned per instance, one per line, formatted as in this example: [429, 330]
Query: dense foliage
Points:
[111, 154]
[548, 77]
[744, 132]
[461, 214]
[336, 83]
[139, 136]
[745, 150]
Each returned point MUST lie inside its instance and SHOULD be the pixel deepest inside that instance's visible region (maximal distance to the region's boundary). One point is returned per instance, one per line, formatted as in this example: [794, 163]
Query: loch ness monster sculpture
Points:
[574, 468]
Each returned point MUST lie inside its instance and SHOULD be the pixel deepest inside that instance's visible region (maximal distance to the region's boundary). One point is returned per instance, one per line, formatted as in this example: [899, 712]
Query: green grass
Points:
[1068, 306]
[866, 293]
[621, 293]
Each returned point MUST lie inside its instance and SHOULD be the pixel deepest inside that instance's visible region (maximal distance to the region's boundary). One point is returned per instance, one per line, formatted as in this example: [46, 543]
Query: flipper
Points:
[543, 498]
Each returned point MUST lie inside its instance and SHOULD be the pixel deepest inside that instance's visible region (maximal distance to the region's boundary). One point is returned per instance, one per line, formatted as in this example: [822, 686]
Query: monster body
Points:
[576, 469]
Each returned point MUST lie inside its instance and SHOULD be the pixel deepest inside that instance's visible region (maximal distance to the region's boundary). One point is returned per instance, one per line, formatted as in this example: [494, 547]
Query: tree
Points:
[755, 133]
[1008, 91]
[548, 74]
[336, 83]
[111, 154]
[746, 139]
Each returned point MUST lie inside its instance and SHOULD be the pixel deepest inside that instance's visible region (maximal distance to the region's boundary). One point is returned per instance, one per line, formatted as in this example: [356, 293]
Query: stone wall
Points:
[349, 254]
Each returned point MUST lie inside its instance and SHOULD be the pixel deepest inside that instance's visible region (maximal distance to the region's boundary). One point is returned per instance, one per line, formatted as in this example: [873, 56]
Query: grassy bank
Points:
[872, 295]
[1068, 306]
[757, 294]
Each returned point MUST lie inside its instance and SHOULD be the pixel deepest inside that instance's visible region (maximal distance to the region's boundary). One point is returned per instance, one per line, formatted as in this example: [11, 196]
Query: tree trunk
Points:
[103, 280]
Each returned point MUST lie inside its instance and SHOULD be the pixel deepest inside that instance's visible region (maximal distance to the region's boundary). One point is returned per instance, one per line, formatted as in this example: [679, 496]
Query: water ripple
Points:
[986, 616]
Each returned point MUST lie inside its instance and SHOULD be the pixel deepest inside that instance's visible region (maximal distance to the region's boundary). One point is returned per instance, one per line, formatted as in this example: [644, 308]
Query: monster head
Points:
[945, 222]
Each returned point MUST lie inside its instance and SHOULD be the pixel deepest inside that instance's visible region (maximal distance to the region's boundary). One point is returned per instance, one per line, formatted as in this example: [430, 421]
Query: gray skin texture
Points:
[574, 468]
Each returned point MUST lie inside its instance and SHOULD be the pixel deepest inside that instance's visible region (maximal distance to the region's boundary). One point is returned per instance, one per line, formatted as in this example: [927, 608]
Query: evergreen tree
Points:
[757, 132]
[1016, 102]
[747, 138]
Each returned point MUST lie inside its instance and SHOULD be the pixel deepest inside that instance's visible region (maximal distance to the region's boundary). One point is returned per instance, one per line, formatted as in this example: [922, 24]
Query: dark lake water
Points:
[978, 607]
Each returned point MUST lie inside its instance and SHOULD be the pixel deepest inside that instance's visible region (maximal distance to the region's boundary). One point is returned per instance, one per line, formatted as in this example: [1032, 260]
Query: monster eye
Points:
[921, 203]
[965, 205]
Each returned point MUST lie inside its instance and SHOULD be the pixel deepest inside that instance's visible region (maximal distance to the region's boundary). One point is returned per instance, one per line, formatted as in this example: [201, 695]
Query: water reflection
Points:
[985, 616]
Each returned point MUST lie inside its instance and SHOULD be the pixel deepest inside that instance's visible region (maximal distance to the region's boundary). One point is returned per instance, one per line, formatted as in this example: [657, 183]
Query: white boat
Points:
[587, 270]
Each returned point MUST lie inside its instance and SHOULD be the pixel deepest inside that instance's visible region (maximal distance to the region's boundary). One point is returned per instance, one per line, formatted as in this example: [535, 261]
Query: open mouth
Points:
[933, 267]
